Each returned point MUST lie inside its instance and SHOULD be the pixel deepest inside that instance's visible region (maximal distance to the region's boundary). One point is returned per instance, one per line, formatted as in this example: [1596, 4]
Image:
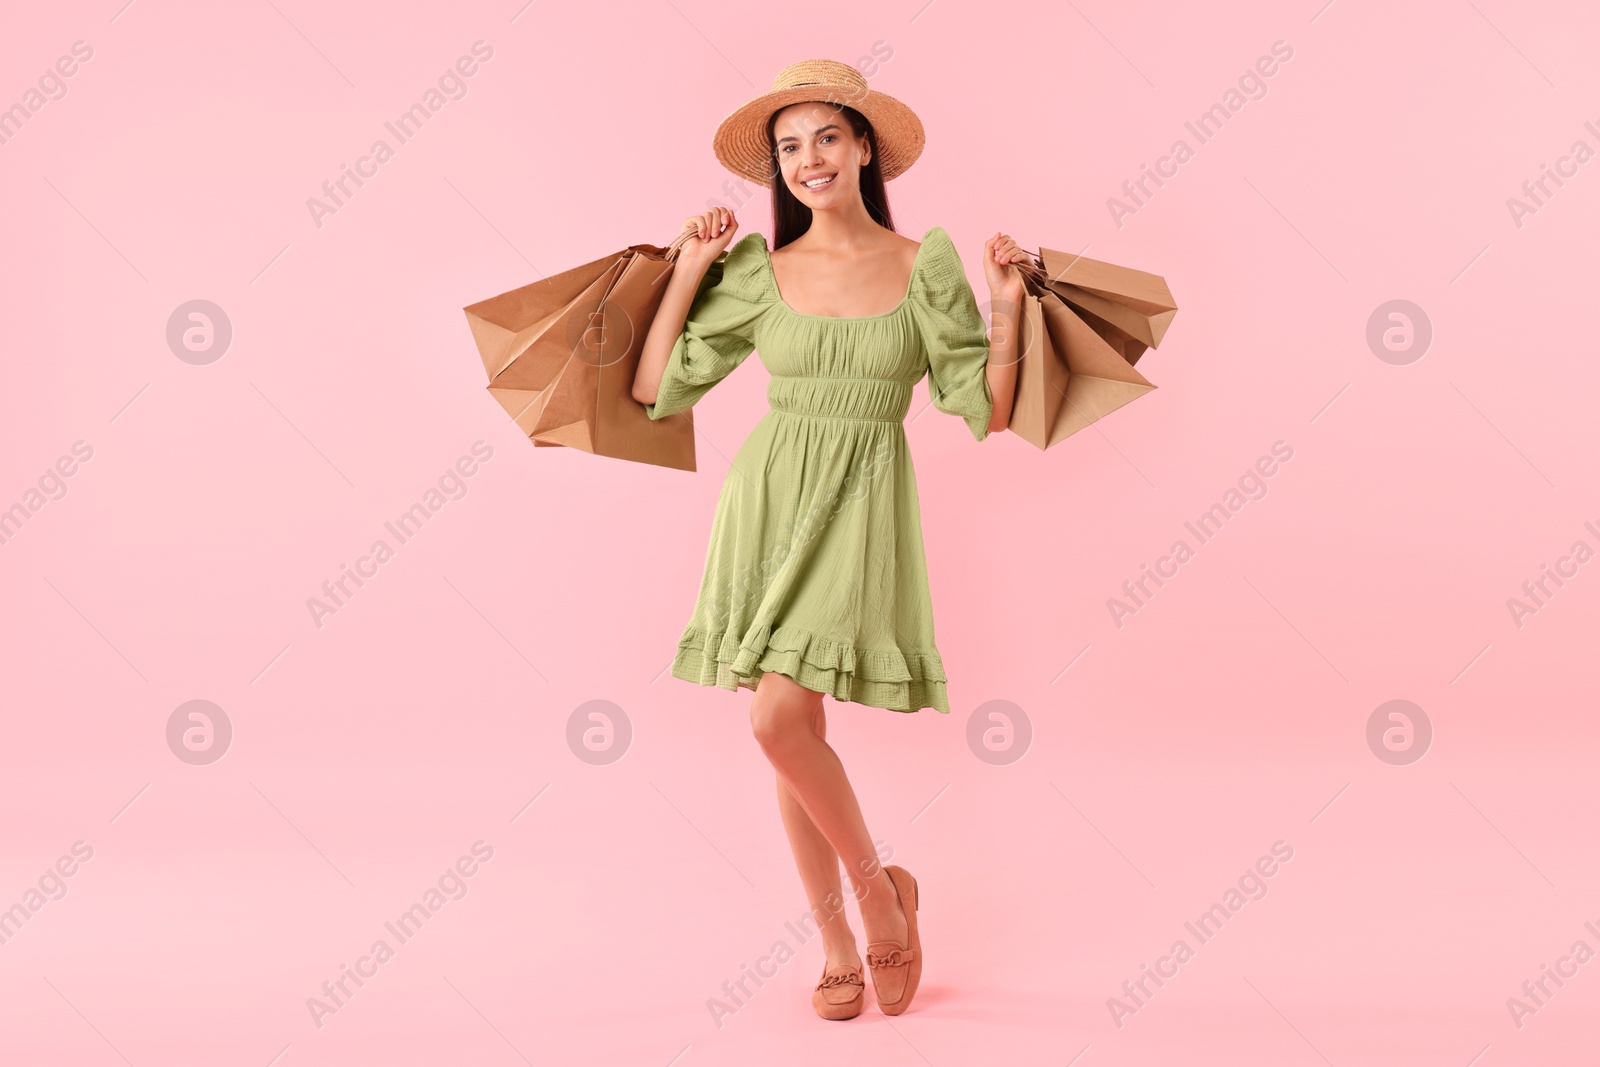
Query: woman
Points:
[815, 581]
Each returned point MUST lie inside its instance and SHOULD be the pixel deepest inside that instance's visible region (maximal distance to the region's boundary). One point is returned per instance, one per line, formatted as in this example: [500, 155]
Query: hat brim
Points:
[740, 142]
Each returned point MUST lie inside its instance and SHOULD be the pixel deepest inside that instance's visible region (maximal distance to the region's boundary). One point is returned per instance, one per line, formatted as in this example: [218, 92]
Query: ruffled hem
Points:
[881, 678]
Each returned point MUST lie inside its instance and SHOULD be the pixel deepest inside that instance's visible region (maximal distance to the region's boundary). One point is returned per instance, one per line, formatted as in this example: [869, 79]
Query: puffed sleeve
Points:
[953, 334]
[720, 329]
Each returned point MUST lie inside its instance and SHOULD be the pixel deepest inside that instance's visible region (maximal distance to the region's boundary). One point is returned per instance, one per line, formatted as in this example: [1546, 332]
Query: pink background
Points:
[432, 710]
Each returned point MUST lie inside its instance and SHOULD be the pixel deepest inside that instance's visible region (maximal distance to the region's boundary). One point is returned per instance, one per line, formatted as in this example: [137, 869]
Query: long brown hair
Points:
[791, 218]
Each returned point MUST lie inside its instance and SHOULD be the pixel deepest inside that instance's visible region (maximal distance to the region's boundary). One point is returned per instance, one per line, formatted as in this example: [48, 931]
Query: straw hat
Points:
[741, 140]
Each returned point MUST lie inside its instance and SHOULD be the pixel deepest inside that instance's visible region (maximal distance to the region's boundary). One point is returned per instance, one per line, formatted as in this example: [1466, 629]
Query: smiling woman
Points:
[815, 581]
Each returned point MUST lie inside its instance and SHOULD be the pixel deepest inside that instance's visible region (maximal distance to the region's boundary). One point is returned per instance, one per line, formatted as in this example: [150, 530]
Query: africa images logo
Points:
[451, 85]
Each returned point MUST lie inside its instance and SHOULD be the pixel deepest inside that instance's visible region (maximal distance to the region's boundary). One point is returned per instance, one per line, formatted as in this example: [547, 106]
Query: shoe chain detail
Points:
[895, 958]
[843, 978]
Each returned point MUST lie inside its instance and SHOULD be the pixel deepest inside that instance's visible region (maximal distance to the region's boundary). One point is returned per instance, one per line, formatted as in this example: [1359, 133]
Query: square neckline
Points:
[911, 284]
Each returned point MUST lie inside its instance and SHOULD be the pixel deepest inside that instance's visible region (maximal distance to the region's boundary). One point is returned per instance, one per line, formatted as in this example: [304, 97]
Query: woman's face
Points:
[816, 145]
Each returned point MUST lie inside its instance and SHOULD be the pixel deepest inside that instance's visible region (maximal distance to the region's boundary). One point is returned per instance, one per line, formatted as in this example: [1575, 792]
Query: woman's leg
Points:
[781, 716]
[819, 870]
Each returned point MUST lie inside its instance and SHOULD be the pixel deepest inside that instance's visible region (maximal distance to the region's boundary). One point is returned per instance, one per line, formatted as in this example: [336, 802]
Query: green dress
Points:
[815, 567]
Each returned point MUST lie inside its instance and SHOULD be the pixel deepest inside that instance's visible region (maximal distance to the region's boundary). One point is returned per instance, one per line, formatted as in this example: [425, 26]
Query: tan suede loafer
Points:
[840, 994]
[897, 968]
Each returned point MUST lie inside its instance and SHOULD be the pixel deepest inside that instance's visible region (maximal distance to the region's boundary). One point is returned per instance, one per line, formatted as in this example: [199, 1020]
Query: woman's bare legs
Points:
[787, 721]
[819, 870]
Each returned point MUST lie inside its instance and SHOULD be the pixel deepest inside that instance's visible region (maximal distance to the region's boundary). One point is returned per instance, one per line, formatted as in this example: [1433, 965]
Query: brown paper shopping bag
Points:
[1130, 309]
[561, 355]
[1084, 325]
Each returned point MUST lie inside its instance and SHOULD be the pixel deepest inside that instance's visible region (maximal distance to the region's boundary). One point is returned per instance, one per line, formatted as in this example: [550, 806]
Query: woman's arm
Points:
[1006, 291]
[695, 256]
[666, 327]
[1005, 330]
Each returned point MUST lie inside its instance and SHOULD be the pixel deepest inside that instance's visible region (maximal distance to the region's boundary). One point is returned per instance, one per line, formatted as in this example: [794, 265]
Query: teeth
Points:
[818, 182]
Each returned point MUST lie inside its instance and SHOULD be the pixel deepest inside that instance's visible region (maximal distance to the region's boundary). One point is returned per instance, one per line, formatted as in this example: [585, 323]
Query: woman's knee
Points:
[782, 711]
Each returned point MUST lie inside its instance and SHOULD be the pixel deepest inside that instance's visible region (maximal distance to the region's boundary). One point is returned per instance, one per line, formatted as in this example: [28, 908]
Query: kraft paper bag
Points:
[1130, 309]
[1080, 339]
[561, 354]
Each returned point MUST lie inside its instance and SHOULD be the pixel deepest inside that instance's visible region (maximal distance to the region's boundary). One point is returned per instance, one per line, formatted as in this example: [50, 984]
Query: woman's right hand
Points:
[713, 231]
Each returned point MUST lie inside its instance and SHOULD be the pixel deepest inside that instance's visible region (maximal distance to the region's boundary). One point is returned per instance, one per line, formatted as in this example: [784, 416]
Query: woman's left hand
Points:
[999, 253]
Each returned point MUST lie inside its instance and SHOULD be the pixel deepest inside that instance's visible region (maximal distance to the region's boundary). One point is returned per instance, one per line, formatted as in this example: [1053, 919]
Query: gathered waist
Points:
[877, 399]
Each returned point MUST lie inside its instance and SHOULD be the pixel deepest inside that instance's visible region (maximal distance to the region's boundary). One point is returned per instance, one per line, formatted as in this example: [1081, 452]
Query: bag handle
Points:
[1034, 269]
[688, 231]
[1034, 273]
[672, 250]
